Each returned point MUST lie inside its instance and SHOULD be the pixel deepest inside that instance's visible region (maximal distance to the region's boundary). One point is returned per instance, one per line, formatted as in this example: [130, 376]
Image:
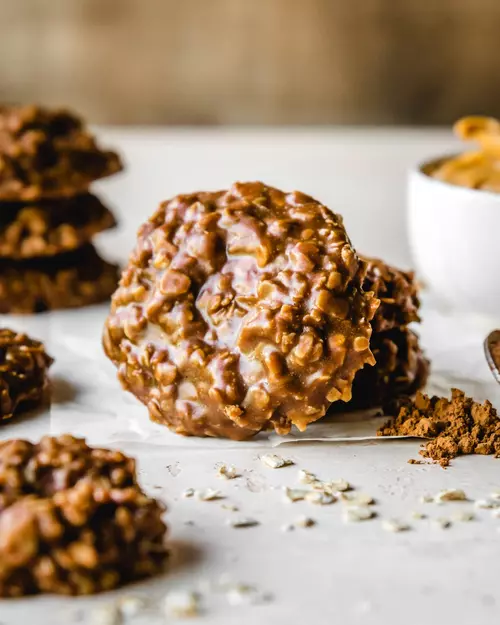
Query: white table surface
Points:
[335, 572]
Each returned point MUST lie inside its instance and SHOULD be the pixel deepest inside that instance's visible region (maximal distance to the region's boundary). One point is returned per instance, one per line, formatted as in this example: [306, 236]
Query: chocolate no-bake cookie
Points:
[240, 310]
[51, 227]
[24, 365]
[398, 294]
[401, 369]
[73, 519]
[48, 154]
[70, 280]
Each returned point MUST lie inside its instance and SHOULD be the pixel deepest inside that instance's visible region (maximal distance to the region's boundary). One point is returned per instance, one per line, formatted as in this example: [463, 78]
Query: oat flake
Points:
[306, 477]
[464, 516]
[209, 494]
[452, 494]
[393, 525]
[273, 461]
[320, 498]
[243, 522]
[227, 472]
[181, 604]
[357, 499]
[486, 504]
[304, 521]
[358, 513]
[295, 494]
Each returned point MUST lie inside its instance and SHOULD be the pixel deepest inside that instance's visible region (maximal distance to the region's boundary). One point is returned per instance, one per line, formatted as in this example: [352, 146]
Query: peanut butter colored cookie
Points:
[51, 227]
[48, 154]
[24, 365]
[240, 310]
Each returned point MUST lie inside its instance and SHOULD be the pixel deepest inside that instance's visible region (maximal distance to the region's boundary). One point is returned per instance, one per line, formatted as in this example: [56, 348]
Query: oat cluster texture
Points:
[74, 520]
[247, 309]
[401, 367]
[48, 216]
[457, 426]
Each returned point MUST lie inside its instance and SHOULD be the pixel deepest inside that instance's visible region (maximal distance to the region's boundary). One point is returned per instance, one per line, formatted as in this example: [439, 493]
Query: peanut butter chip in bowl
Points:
[240, 310]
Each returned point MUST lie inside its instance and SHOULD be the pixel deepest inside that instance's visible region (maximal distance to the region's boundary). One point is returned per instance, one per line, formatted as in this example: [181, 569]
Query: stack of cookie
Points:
[48, 160]
[401, 367]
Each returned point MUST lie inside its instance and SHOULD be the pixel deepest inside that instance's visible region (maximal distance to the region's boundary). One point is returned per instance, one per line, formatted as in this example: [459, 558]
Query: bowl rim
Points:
[419, 170]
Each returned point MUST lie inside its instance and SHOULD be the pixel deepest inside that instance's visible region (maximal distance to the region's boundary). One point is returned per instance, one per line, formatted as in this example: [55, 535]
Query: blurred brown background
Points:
[254, 61]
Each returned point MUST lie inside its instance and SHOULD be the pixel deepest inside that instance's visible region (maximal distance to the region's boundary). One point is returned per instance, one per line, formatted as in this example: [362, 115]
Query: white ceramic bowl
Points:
[455, 239]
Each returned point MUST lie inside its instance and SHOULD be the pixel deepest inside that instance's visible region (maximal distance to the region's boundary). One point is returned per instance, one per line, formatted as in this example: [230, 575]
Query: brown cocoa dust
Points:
[456, 427]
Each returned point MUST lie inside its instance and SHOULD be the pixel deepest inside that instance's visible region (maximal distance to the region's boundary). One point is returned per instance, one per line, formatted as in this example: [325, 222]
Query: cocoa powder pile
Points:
[456, 427]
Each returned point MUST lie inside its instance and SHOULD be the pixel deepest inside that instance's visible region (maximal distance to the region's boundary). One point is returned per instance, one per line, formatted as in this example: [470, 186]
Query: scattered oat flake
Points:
[442, 523]
[131, 606]
[243, 594]
[496, 513]
[495, 494]
[242, 522]
[418, 516]
[189, 492]
[451, 494]
[304, 521]
[174, 469]
[181, 604]
[295, 494]
[427, 499]
[273, 461]
[106, 615]
[464, 516]
[393, 525]
[358, 513]
[227, 472]
[231, 507]
[209, 494]
[357, 499]
[339, 485]
[306, 477]
[320, 498]
[487, 504]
